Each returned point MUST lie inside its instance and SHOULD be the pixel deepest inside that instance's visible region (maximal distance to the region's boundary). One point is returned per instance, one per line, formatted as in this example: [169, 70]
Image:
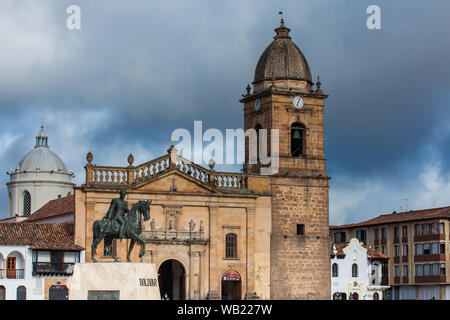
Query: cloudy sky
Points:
[137, 70]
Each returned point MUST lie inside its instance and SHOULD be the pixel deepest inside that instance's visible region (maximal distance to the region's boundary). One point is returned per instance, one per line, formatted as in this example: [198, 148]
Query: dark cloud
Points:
[138, 70]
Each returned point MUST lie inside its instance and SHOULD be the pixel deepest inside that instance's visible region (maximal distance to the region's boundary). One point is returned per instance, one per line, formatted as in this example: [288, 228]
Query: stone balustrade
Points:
[116, 176]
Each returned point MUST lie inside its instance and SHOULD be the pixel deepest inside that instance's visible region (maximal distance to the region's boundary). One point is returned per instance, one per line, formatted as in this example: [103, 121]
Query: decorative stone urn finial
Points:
[89, 157]
[318, 84]
[211, 163]
[248, 89]
[130, 159]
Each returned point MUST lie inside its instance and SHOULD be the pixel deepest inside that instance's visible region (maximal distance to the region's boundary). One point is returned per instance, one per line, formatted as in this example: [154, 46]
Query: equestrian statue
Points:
[121, 223]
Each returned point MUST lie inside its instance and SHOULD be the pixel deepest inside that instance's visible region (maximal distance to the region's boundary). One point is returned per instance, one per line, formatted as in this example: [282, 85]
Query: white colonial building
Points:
[39, 177]
[36, 260]
[357, 272]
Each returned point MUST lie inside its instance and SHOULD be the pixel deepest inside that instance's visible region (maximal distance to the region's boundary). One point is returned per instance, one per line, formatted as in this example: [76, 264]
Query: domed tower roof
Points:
[282, 60]
[41, 158]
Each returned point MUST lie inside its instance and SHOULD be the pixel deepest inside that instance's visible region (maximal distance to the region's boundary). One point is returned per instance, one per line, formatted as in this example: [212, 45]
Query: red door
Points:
[11, 268]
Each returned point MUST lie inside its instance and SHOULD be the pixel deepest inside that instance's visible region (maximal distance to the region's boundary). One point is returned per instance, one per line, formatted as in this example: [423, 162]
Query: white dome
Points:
[41, 158]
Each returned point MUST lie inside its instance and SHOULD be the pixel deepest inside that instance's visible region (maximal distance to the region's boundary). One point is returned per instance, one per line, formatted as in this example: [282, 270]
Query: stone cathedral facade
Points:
[221, 235]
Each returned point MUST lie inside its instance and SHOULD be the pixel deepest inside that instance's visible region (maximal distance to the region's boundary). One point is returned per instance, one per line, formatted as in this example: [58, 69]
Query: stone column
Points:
[250, 263]
[195, 275]
[213, 289]
[4, 268]
[87, 241]
[200, 270]
[191, 275]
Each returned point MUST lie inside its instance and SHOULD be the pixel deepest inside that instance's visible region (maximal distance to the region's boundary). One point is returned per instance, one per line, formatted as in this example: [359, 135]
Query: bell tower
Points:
[284, 99]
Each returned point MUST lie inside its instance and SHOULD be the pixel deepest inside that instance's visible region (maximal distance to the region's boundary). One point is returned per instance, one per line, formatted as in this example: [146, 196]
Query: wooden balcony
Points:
[48, 268]
[430, 279]
[429, 237]
[429, 257]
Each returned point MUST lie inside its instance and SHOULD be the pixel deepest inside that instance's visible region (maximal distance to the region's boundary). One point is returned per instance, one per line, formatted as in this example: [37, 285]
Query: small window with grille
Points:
[26, 204]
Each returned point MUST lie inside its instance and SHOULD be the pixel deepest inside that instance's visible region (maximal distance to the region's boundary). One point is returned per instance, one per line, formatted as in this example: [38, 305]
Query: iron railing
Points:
[15, 273]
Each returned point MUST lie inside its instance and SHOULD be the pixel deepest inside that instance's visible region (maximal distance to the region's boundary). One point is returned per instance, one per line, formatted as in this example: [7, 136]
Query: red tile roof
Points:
[54, 208]
[339, 247]
[374, 254]
[46, 236]
[426, 214]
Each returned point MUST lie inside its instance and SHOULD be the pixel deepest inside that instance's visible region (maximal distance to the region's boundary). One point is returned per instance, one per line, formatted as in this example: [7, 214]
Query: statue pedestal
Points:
[114, 281]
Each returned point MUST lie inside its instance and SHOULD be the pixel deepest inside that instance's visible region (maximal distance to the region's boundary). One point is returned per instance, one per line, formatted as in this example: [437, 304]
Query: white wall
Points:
[345, 282]
[28, 282]
[42, 186]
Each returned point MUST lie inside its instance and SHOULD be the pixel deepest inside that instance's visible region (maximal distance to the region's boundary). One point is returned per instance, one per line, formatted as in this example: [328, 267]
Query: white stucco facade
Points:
[39, 177]
[34, 285]
[368, 279]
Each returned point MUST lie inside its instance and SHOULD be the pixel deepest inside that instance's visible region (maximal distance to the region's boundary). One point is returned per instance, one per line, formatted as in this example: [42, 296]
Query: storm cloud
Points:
[137, 70]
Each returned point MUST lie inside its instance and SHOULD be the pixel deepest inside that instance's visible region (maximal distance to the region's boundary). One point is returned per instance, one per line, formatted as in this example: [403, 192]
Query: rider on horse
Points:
[115, 215]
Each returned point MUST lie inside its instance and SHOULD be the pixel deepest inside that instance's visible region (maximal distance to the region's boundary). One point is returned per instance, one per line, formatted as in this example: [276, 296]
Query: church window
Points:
[335, 270]
[297, 139]
[354, 270]
[26, 204]
[231, 246]
[300, 229]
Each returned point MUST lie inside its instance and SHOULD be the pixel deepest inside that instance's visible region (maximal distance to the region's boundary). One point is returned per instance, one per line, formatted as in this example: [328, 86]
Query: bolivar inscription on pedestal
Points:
[114, 281]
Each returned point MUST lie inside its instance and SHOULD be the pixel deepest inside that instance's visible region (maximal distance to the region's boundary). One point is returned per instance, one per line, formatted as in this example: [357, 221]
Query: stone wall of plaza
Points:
[202, 254]
[411, 259]
[300, 263]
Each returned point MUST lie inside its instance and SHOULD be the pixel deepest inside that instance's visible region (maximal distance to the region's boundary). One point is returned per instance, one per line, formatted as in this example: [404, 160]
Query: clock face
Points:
[257, 104]
[297, 102]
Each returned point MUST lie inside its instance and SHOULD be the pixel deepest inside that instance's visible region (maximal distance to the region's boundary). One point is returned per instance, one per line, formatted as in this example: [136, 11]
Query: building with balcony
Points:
[418, 244]
[36, 260]
[358, 272]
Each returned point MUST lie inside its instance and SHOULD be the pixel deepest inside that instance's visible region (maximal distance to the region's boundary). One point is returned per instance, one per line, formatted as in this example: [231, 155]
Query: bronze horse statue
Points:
[132, 229]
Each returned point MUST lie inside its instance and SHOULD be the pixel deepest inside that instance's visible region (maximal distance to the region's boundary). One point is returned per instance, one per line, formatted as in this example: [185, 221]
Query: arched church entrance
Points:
[171, 278]
[231, 286]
